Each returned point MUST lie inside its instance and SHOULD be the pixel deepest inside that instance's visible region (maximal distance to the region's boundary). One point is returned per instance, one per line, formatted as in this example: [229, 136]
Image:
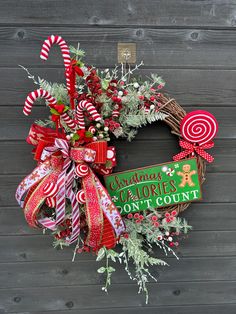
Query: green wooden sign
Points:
[155, 186]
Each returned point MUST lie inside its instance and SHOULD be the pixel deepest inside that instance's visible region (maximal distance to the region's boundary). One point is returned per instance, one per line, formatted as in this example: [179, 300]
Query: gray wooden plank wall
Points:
[193, 45]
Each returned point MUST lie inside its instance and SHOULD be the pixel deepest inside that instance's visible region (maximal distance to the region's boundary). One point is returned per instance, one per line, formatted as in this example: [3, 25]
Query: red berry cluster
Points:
[153, 99]
[94, 83]
[169, 217]
[66, 232]
[169, 238]
[154, 220]
[111, 124]
[113, 93]
[138, 218]
[85, 248]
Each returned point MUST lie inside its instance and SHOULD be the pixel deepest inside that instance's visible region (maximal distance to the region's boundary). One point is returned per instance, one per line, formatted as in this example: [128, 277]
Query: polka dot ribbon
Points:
[191, 149]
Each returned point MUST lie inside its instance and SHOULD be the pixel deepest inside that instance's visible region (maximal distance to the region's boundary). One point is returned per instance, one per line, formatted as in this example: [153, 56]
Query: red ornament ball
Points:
[82, 170]
[80, 197]
[51, 201]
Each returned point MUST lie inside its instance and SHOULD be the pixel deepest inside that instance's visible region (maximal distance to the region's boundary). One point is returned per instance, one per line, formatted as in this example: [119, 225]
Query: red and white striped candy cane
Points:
[64, 50]
[84, 104]
[31, 98]
[71, 123]
[40, 93]
[115, 113]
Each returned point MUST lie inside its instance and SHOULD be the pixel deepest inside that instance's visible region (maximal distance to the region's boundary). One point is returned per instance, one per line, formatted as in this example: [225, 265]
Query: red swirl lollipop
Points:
[199, 126]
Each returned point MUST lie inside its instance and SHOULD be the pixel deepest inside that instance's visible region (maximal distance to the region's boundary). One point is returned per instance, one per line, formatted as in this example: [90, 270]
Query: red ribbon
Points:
[73, 69]
[103, 219]
[42, 137]
[190, 148]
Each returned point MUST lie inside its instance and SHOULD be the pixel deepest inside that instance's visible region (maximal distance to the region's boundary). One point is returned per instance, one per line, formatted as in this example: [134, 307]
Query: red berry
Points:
[174, 213]
[136, 215]
[86, 248]
[152, 98]
[126, 235]
[156, 224]
[141, 97]
[130, 215]
[138, 221]
[117, 125]
[141, 217]
[171, 244]
[154, 218]
[68, 223]
[63, 234]
[167, 215]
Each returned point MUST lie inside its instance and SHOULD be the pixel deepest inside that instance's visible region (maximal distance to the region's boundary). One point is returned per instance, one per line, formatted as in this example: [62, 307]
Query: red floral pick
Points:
[84, 137]
[59, 109]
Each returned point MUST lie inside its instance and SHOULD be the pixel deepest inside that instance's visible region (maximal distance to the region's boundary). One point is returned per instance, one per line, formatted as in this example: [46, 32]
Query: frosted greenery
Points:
[137, 248]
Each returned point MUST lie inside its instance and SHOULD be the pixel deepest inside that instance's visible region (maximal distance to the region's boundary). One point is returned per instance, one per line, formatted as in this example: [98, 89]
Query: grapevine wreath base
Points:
[64, 194]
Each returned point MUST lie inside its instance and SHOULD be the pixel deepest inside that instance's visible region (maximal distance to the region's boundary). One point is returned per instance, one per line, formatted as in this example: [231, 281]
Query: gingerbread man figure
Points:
[186, 175]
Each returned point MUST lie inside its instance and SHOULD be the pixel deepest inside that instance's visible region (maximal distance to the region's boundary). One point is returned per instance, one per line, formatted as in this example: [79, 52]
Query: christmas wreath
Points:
[64, 193]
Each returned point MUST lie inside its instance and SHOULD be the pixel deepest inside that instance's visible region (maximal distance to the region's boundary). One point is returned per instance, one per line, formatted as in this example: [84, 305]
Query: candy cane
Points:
[132, 196]
[69, 122]
[64, 50]
[40, 93]
[84, 104]
[31, 98]
[115, 113]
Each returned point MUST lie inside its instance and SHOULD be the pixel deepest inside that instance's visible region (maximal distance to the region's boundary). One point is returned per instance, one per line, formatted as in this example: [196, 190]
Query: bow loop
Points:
[191, 149]
[63, 146]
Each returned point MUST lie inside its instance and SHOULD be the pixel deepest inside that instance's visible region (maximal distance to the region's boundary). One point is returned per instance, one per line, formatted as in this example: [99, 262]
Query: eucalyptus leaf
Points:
[101, 270]
[101, 254]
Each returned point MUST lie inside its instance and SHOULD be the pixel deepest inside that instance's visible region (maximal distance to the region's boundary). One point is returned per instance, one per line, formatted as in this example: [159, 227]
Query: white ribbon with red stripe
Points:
[65, 189]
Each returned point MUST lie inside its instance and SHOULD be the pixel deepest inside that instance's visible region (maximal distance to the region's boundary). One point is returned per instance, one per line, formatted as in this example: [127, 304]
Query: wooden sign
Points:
[155, 186]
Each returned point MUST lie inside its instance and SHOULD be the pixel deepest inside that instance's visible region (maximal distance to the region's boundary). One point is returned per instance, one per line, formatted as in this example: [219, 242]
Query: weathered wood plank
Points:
[190, 309]
[24, 275]
[15, 126]
[62, 298]
[219, 188]
[190, 87]
[39, 247]
[156, 151]
[203, 216]
[159, 150]
[119, 13]
[156, 47]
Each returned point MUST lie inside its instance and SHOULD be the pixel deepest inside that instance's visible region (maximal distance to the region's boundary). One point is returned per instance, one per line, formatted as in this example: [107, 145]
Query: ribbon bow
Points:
[59, 168]
[190, 148]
